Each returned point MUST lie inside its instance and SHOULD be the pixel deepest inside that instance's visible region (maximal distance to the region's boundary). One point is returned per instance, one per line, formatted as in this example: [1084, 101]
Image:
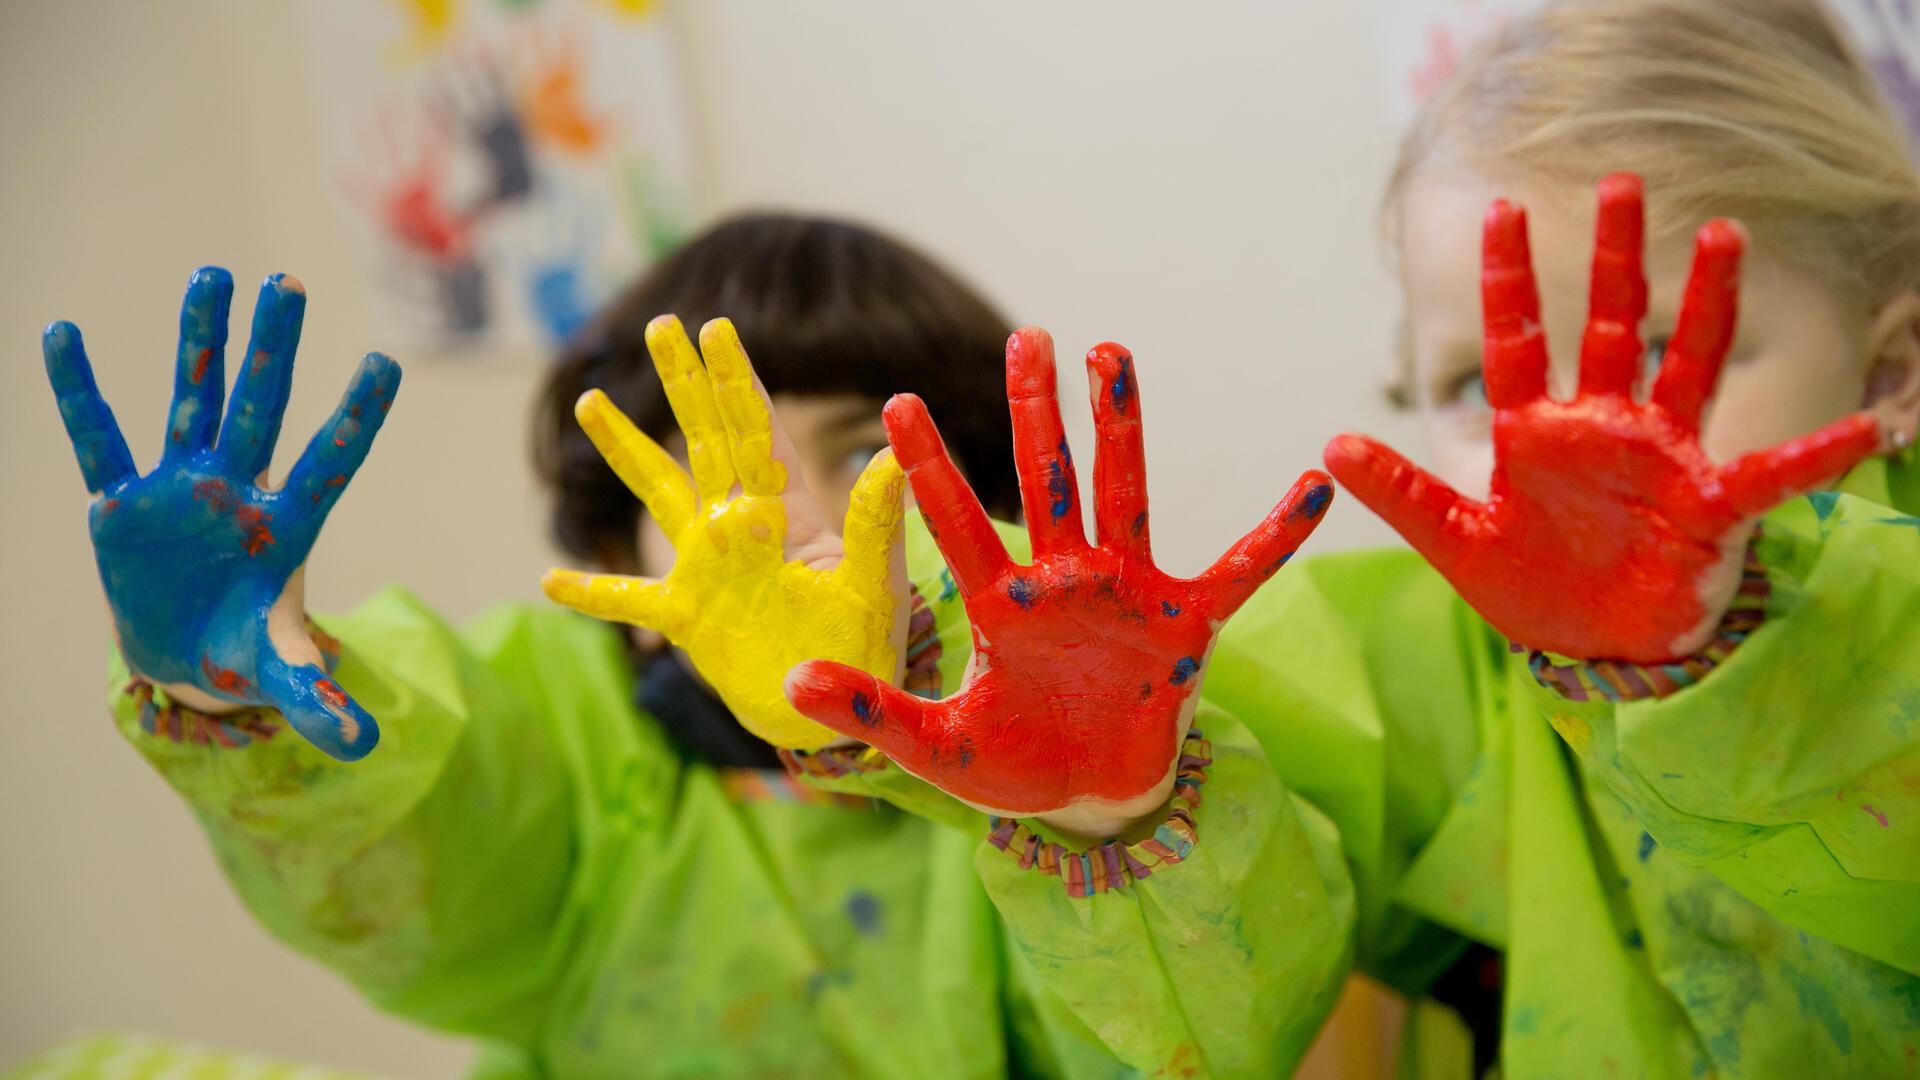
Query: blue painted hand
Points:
[198, 554]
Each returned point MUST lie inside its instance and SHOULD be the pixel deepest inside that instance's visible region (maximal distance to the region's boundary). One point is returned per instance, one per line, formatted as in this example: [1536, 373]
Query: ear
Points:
[1893, 366]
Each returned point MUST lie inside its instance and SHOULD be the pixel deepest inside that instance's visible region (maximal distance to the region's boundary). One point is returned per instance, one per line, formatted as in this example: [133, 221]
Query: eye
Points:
[1467, 390]
[857, 458]
[1656, 352]
[1650, 361]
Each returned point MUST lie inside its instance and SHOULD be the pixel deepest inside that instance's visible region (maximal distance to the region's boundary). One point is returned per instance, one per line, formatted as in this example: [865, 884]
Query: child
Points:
[561, 844]
[1723, 876]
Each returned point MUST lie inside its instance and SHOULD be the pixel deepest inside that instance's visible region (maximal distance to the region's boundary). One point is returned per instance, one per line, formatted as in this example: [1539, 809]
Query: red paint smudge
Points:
[1877, 815]
[216, 494]
[224, 680]
[254, 521]
[200, 366]
[331, 694]
[251, 519]
[337, 481]
[109, 506]
[260, 358]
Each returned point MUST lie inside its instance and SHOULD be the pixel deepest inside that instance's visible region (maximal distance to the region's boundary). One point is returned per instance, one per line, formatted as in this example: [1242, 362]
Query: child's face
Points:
[1798, 360]
[836, 436]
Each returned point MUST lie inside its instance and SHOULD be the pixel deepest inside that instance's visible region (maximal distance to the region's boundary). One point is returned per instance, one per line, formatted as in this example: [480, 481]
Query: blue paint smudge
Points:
[1123, 384]
[1635, 941]
[1313, 503]
[1823, 502]
[1022, 591]
[1169, 608]
[863, 911]
[1065, 452]
[948, 590]
[1646, 846]
[863, 709]
[1816, 1001]
[1184, 669]
[1060, 490]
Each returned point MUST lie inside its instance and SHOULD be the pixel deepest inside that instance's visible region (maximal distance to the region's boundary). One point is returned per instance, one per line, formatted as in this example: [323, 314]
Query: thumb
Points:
[1417, 504]
[860, 706]
[316, 707]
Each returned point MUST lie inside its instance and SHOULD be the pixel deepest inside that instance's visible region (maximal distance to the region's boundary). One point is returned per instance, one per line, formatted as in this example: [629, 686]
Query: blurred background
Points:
[1198, 183]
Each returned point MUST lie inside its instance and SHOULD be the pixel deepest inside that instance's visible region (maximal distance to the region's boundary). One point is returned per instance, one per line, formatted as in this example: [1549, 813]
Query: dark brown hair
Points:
[823, 307]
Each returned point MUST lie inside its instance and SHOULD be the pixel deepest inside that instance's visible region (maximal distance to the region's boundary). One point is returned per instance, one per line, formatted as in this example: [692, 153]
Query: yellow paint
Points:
[430, 24]
[742, 611]
[632, 9]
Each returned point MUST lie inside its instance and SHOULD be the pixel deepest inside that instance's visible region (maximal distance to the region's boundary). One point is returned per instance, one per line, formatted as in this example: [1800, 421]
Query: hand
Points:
[1607, 532]
[1086, 663]
[200, 560]
[758, 582]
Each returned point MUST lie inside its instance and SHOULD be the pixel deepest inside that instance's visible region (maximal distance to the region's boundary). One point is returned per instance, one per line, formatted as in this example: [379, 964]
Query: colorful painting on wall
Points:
[506, 164]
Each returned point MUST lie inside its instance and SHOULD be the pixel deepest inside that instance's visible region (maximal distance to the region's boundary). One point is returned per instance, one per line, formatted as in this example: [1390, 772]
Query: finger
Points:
[1610, 352]
[1049, 489]
[1759, 481]
[640, 463]
[615, 598]
[1708, 314]
[1432, 517]
[873, 526]
[328, 463]
[316, 707]
[91, 428]
[1261, 553]
[1120, 456]
[690, 394]
[200, 371]
[1515, 359]
[861, 706]
[266, 377]
[953, 513]
[743, 409]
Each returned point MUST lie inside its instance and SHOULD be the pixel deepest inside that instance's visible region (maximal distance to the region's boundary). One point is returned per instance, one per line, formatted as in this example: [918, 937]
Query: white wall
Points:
[1197, 183]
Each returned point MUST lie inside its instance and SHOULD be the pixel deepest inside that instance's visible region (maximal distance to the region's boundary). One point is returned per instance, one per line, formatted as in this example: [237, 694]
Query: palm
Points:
[738, 591]
[1087, 662]
[195, 555]
[757, 585]
[1607, 533]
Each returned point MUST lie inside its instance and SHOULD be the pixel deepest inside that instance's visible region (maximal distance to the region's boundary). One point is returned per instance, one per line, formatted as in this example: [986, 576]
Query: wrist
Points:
[1611, 680]
[1086, 824]
[1086, 869]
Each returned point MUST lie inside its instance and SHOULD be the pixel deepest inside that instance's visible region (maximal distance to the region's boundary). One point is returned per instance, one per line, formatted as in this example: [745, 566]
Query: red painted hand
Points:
[1607, 532]
[1087, 662]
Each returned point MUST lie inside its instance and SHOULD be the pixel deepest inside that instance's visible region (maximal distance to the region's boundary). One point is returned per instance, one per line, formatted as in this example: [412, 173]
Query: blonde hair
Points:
[1757, 110]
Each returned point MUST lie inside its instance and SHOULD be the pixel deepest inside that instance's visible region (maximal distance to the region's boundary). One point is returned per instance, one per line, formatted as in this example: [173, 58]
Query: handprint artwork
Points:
[1087, 661]
[200, 558]
[1607, 533]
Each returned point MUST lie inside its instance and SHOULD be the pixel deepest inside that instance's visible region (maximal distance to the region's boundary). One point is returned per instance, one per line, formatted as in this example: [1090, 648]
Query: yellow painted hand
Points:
[758, 584]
